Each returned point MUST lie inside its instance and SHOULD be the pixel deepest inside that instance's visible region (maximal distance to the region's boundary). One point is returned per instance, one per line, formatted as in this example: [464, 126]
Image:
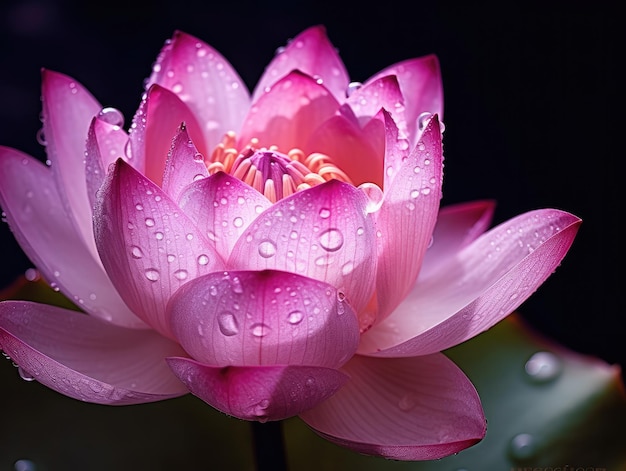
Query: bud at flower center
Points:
[274, 174]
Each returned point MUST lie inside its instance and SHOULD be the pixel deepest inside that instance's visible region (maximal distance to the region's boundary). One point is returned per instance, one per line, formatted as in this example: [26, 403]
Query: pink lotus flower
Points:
[278, 254]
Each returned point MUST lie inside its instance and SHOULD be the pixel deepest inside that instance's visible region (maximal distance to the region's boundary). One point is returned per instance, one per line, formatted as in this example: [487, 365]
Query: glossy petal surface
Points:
[85, 358]
[419, 408]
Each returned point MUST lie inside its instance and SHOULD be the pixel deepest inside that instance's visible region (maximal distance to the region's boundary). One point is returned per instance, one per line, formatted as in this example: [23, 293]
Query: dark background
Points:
[532, 109]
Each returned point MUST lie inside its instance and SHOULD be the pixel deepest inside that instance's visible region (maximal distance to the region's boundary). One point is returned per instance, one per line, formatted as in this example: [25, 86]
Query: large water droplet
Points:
[267, 249]
[152, 274]
[136, 252]
[522, 446]
[295, 317]
[25, 375]
[422, 120]
[331, 239]
[259, 329]
[543, 367]
[181, 274]
[228, 324]
[374, 195]
[353, 87]
[203, 259]
[112, 116]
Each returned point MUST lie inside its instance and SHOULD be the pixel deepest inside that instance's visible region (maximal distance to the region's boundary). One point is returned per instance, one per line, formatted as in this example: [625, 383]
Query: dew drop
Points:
[181, 274]
[522, 446]
[324, 213]
[267, 249]
[295, 317]
[259, 329]
[236, 285]
[238, 222]
[374, 196]
[422, 120]
[41, 138]
[159, 235]
[26, 376]
[331, 239]
[112, 116]
[152, 274]
[543, 367]
[149, 222]
[203, 260]
[228, 324]
[136, 252]
[347, 268]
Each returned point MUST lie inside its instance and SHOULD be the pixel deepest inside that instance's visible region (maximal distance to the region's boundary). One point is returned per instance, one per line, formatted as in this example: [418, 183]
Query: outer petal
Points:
[422, 88]
[323, 233]
[287, 114]
[259, 393]
[206, 82]
[419, 408]
[147, 244]
[312, 53]
[263, 318]
[457, 226]
[44, 230]
[479, 287]
[105, 144]
[407, 218]
[155, 124]
[86, 359]
[222, 207]
[68, 109]
[184, 165]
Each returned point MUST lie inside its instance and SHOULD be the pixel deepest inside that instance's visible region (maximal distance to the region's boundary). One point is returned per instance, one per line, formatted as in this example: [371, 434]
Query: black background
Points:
[532, 107]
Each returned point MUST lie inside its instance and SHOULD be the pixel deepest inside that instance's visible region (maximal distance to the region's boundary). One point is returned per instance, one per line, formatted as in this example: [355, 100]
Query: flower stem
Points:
[269, 448]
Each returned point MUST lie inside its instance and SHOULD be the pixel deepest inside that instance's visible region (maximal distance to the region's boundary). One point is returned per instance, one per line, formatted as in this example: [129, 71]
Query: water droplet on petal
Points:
[181, 274]
[267, 249]
[353, 87]
[112, 116]
[347, 268]
[295, 317]
[324, 213]
[203, 259]
[259, 329]
[136, 252]
[228, 324]
[25, 375]
[422, 120]
[374, 195]
[331, 239]
[152, 274]
[543, 367]
[407, 402]
[238, 222]
[149, 222]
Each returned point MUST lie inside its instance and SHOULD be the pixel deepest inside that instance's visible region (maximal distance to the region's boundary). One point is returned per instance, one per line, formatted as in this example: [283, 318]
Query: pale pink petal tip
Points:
[259, 393]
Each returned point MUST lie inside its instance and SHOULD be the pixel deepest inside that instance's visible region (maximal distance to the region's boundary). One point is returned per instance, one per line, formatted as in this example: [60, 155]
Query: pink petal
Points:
[422, 88]
[222, 207]
[396, 148]
[287, 114]
[313, 54]
[323, 233]
[407, 218]
[457, 226]
[486, 281]
[254, 318]
[148, 246]
[206, 82]
[68, 109]
[383, 92]
[357, 152]
[86, 359]
[44, 230]
[420, 408]
[155, 124]
[259, 393]
[105, 144]
[184, 165]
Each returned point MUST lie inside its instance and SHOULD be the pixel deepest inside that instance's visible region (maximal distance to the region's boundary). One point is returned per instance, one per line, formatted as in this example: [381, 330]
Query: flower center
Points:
[274, 174]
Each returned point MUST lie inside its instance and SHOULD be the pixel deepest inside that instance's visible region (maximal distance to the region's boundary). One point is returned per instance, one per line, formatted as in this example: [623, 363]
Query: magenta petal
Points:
[457, 226]
[155, 124]
[68, 109]
[184, 165]
[422, 88]
[323, 233]
[480, 286]
[44, 230]
[287, 114]
[86, 359]
[406, 219]
[259, 393]
[313, 54]
[105, 144]
[419, 408]
[222, 207]
[206, 82]
[253, 318]
[148, 246]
